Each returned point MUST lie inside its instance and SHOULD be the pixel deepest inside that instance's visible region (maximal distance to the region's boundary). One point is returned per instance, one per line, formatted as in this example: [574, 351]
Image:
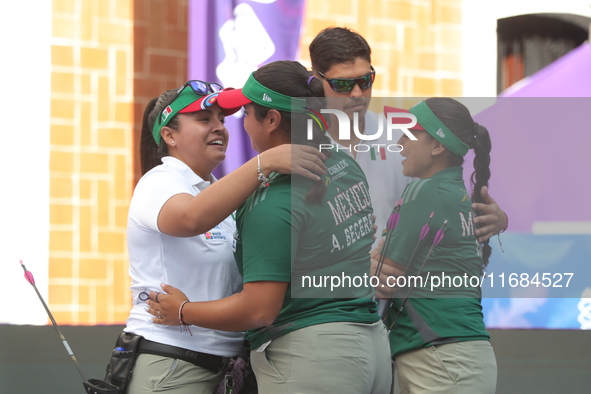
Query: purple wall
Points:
[230, 39]
[541, 158]
[541, 134]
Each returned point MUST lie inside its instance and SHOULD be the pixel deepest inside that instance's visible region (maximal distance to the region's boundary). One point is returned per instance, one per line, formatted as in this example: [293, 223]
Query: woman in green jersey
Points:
[438, 338]
[303, 250]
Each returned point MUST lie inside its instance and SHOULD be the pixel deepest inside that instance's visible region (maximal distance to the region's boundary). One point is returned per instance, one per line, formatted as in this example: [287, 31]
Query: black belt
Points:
[208, 361]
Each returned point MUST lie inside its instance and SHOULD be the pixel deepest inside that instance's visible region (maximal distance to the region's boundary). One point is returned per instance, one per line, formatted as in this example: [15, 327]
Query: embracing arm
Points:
[492, 219]
[184, 215]
[257, 305]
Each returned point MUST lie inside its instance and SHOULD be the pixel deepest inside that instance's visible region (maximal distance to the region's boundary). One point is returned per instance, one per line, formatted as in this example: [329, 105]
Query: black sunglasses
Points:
[345, 85]
[199, 87]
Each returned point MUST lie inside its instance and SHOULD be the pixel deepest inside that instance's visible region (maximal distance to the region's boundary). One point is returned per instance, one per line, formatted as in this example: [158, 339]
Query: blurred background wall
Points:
[77, 74]
[94, 64]
[104, 60]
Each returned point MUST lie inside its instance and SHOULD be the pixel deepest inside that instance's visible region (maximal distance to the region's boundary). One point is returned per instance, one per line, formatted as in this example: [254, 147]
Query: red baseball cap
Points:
[232, 98]
[209, 100]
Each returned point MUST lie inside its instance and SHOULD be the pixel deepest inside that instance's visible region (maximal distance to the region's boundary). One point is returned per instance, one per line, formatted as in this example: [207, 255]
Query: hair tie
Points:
[475, 128]
[310, 78]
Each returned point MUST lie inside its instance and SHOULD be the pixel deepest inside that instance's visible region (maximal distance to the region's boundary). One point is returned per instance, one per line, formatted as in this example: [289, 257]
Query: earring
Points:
[172, 142]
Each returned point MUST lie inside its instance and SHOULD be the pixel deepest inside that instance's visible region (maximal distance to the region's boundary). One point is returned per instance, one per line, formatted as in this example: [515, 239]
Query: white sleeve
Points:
[152, 192]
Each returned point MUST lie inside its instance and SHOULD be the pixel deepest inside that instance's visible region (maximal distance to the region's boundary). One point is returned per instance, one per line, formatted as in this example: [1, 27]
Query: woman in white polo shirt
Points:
[180, 230]
[303, 338]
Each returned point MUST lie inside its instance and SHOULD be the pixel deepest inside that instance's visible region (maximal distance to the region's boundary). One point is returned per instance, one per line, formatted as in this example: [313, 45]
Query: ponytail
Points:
[315, 103]
[150, 153]
[292, 79]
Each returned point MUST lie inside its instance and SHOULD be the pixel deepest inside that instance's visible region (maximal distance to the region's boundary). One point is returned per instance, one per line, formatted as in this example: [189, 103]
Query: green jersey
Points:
[444, 304]
[312, 246]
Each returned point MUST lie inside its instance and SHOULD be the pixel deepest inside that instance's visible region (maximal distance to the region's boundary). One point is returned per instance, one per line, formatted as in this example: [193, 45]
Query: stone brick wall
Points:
[90, 177]
[416, 44]
[108, 59]
[160, 56]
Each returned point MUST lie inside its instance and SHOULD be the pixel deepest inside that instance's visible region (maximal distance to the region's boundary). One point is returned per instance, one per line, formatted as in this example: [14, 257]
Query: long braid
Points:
[458, 119]
[481, 175]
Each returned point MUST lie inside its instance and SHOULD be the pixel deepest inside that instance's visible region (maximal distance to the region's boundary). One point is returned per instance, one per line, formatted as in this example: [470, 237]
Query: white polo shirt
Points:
[203, 267]
[383, 169]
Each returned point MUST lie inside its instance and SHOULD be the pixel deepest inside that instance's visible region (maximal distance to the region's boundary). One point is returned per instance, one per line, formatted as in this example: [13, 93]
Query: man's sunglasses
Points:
[199, 87]
[345, 85]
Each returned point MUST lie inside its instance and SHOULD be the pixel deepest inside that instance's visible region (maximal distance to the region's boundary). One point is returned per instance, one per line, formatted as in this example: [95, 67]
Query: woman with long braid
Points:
[438, 338]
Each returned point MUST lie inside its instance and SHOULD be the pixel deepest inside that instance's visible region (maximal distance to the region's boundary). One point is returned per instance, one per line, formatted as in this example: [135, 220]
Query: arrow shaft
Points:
[64, 342]
[438, 237]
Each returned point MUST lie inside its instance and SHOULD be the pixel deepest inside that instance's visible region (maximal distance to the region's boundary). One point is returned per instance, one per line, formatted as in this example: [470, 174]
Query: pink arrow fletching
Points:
[438, 237]
[393, 221]
[424, 231]
[28, 275]
[439, 234]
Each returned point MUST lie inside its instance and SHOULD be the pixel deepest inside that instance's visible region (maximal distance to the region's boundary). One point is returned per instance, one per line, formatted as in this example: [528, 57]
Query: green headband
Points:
[266, 97]
[184, 99]
[439, 131]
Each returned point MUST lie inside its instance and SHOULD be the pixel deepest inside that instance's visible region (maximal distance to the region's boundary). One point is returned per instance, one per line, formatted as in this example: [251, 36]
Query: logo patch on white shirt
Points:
[216, 234]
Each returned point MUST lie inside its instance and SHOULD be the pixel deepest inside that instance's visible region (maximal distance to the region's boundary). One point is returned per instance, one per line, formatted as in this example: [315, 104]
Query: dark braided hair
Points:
[292, 79]
[458, 119]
